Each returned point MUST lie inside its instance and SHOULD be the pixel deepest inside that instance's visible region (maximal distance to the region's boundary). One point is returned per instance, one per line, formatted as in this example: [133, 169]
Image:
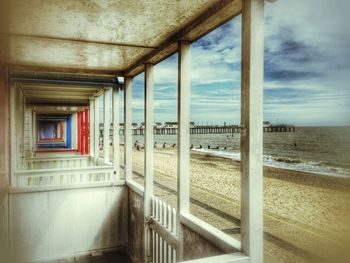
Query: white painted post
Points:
[13, 132]
[97, 129]
[106, 126]
[183, 137]
[92, 128]
[34, 138]
[148, 182]
[116, 131]
[252, 129]
[128, 129]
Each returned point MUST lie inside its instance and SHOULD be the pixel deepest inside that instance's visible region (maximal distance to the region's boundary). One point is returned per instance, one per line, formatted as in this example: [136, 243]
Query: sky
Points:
[306, 74]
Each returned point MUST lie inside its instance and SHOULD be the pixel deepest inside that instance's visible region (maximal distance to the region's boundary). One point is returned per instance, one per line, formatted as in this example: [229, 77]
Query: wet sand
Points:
[309, 211]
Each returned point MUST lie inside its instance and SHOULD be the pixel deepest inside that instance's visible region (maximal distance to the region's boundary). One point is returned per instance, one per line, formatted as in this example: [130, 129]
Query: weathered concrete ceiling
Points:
[51, 94]
[105, 36]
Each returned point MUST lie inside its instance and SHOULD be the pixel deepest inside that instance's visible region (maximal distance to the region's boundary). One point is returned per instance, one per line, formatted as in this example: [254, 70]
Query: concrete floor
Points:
[108, 257]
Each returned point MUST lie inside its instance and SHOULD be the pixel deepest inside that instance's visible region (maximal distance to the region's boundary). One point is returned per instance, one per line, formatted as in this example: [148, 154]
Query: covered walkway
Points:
[63, 195]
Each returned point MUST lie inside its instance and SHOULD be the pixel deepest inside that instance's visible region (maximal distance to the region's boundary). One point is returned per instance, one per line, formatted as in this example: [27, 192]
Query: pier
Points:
[206, 129]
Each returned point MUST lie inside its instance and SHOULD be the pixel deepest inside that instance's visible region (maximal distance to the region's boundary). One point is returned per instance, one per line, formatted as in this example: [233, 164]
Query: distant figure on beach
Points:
[295, 144]
[208, 146]
[174, 145]
[135, 145]
[225, 148]
[200, 146]
[191, 146]
[164, 144]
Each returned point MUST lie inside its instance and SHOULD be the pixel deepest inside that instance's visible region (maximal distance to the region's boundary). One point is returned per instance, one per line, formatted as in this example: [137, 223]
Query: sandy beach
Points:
[310, 213]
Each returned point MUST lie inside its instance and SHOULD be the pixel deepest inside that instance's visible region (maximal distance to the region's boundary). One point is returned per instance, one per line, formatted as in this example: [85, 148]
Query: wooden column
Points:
[252, 129]
[148, 182]
[116, 131]
[79, 132]
[13, 133]
[128, 129]
[34, 136]
[183, 137]
[97, 129]
[106, 126]
[87, 126]
[92, 128]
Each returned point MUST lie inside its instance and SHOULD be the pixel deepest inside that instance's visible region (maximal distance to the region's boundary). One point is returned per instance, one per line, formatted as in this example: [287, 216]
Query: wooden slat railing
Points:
[66, 176]
[163, 225]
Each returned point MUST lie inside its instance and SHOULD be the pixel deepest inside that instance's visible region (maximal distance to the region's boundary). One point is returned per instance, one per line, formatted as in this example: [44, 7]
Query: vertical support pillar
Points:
[116, 142]
[148, 182]
[97, 129]
[13, 133]
[34, 136]
[92, 128]
[252, 129]
[128, 129]
[106, 126]
[79, 132]
[183, 137]
[82, 132]
[86, 139]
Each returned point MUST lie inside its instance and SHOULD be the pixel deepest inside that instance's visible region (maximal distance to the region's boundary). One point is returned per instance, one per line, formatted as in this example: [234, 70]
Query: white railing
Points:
[66, 176]
[163, 226]
[58, 162]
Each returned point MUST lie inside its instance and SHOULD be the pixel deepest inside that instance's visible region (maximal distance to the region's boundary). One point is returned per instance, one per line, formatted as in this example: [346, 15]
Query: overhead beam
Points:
[63, 82]
[181, 34]
[59, 97]
[62, 103]
[57, 93]
[83, 41]
[64, 70]
[42, 86]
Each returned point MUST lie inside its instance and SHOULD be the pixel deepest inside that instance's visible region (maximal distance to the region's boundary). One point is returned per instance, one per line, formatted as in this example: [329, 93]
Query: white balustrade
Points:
[163, 225]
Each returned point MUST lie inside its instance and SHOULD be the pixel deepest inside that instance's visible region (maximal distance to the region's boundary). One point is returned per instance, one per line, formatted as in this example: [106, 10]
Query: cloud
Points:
[307, 68]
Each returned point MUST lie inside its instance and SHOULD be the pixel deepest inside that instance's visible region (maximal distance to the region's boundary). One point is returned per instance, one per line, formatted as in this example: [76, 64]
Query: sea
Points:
[322, 150]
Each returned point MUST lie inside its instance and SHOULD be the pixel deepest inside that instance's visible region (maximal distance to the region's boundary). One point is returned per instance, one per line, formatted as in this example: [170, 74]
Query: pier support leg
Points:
[183, 137]
[252, 129]
[128, 129]
[148, 183]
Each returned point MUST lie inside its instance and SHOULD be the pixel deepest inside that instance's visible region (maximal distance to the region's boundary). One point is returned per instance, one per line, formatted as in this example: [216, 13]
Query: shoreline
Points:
[296, 176]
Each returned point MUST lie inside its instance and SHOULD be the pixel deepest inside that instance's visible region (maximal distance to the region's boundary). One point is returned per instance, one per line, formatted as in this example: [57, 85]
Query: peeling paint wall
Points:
[4, 155]
[53, 225]
[196, 246]
[4, 132]
[136, 226]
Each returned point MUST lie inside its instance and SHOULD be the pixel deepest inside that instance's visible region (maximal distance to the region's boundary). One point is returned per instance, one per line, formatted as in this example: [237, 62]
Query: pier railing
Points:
[206, 130]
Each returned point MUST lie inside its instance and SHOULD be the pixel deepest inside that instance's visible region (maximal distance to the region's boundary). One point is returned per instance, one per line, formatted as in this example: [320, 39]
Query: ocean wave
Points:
[319, 167]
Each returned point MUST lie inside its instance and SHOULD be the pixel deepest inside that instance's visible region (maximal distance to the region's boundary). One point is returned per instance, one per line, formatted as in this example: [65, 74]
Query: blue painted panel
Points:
[69, 131]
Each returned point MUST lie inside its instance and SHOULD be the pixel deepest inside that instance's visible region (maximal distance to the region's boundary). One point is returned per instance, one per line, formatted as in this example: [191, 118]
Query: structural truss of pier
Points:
[60, 195]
